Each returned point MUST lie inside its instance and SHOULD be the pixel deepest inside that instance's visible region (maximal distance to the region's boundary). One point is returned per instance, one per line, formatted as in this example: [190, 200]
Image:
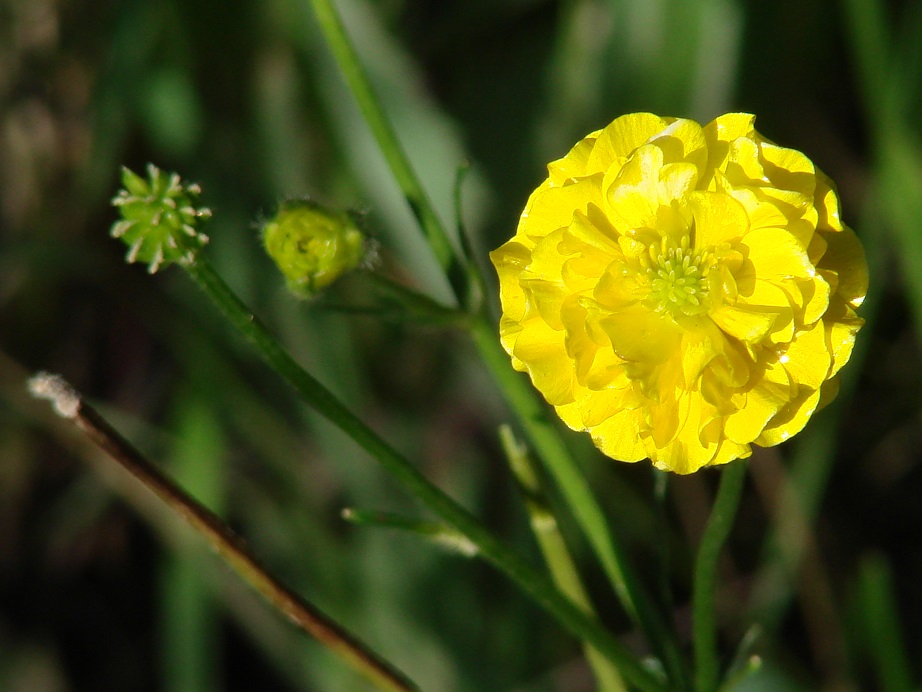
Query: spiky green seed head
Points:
[159, 221]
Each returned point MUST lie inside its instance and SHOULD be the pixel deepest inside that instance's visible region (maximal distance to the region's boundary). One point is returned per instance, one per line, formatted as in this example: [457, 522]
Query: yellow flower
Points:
[680, 291]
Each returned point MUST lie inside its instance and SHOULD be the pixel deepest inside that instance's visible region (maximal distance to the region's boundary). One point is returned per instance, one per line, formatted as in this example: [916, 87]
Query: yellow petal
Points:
[827, 204]
[574, 164]
[731, 126]
[761, 305]
[817, 248]
[543, 352]
[815, 298]
[777, 255]
[584, 231]
[686, 453]
[632, 192]
[828, 393]
[791, 419]
[620, 138]
[595, 367]
[552, 208]
[665, 415]
[510, 259]
[743, 164]
[619, 436]
[682, 140]
[841, 325]
[718, 218]
[845, 256]
[598, 406]
[746, 325]
[637, 334]
[719, 133]
[730, 451]
[806, 358]
[769, 393]
[788, 169]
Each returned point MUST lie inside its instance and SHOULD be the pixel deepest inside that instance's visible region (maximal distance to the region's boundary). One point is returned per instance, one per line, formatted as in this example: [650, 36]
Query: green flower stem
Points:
[536, 585]
[532, 414]
[704, 616]
[523, 400]
[383, 131]
[554, 549]
[69, 404]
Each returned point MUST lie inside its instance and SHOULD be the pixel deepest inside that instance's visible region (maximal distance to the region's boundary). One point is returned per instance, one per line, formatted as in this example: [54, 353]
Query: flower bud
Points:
[313, 246]
[159, 219]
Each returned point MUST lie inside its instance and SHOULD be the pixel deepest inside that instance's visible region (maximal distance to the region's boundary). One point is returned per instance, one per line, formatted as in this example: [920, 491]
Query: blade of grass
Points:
[416, 196]
[554, 548]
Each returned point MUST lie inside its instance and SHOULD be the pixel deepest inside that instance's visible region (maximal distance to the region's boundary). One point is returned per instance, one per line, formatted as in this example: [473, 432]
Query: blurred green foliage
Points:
[243, 97]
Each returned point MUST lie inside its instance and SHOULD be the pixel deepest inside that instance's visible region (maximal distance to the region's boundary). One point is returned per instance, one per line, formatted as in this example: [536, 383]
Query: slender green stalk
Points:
[69, 404]
[522, 399]
[536, 585]
[554, 549]
[704, 616]
[381, 128]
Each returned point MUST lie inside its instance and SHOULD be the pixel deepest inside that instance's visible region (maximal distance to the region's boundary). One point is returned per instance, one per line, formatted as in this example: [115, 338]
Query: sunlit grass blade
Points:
[554, 548]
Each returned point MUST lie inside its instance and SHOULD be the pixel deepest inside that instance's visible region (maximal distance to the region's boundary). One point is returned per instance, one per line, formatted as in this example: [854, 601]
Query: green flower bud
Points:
[159, 219]
[313, 246]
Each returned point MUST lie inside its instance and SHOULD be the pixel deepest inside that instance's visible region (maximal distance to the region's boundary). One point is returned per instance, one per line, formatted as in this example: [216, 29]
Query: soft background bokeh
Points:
[100, 591]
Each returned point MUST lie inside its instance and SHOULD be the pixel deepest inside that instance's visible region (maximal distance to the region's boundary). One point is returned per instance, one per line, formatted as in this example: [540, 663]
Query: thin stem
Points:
[307, 617]
[383, 131]
[536, 585]
[704, 616]
[554, 549]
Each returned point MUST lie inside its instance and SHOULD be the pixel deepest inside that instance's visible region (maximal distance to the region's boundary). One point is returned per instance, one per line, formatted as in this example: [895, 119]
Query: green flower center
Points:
[677, 277]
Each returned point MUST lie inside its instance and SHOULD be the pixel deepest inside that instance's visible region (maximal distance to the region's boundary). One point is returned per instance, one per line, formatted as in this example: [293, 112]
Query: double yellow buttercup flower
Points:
[680, 291]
